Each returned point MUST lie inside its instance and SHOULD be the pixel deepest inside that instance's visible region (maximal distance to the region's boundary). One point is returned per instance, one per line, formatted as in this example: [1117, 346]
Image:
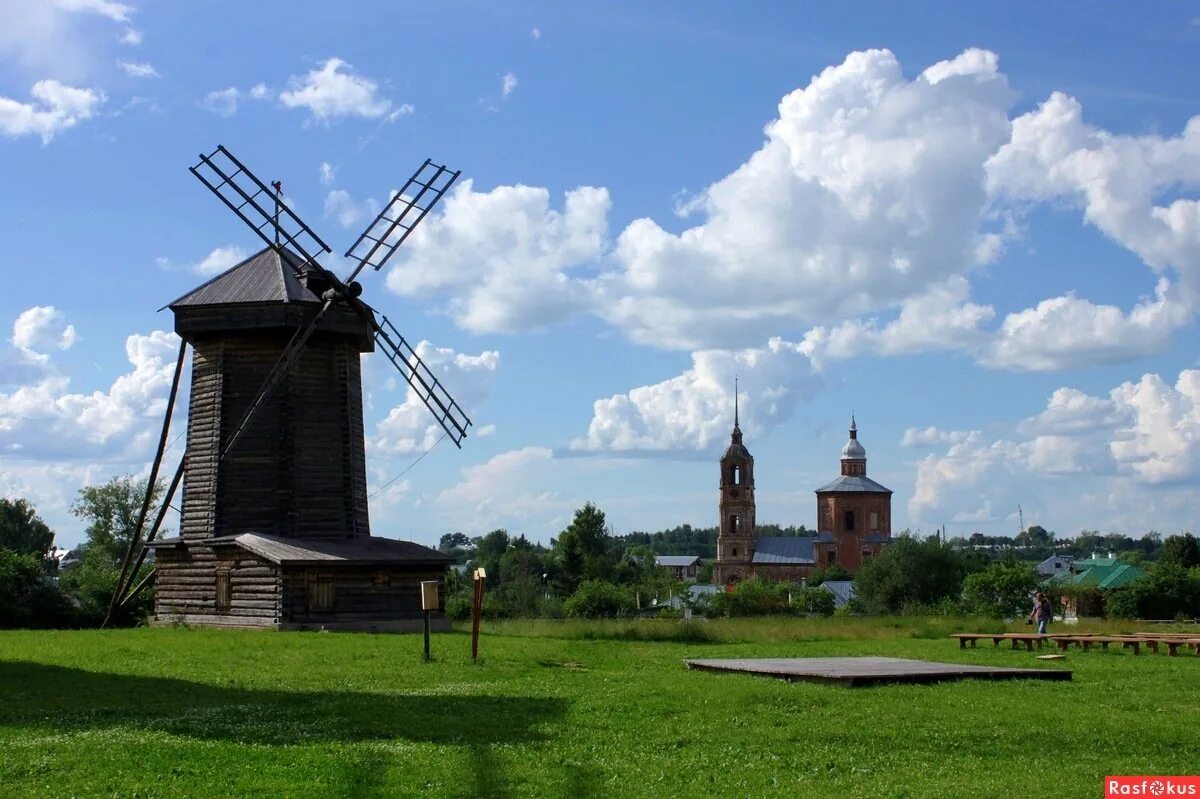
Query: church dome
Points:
[853, 450]
[736, 449]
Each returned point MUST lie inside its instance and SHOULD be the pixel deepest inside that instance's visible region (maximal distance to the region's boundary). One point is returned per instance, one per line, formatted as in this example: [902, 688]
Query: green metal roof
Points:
[1102, 573]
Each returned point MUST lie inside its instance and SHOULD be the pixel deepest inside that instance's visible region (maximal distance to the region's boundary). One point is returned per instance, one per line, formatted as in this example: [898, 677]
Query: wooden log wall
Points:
[361, 593]
[186, 587]
[203, 441]
[299, 469]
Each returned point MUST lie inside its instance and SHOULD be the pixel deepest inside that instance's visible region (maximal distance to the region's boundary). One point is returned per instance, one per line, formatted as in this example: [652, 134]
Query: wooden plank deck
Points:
[861, 671]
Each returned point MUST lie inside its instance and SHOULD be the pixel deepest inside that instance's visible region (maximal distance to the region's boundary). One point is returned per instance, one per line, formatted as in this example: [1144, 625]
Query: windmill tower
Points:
[275, 529]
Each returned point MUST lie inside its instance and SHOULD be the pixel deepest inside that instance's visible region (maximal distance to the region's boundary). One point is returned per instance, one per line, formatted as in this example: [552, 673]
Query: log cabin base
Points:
[367, 584]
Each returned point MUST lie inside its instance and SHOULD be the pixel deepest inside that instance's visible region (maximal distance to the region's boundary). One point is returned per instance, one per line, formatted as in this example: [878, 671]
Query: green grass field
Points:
[565, 709]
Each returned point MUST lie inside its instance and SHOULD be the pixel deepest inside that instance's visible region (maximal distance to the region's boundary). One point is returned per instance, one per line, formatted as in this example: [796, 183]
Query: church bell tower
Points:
[736, 534]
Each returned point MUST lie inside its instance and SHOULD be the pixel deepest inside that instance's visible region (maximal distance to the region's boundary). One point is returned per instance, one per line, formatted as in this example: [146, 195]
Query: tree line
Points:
[588, 570]
[35, 592]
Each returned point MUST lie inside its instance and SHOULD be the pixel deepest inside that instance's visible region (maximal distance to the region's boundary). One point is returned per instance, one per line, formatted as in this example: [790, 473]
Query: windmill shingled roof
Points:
[270, 275]
[333, 552]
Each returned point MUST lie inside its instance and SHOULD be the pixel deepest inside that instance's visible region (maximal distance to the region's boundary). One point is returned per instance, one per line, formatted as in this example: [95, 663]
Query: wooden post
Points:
[477, 612]
[429, 601]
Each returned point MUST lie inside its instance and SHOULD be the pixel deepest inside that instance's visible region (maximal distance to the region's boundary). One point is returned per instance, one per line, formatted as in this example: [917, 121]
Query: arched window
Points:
[733, 524]
[849, 520]
[737, 475]
[874, 521]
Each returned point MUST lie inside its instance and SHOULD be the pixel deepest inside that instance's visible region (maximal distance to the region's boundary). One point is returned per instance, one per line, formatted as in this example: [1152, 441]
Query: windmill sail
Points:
[246, 195]
[423, 381]
[276, 224]
[400, 216]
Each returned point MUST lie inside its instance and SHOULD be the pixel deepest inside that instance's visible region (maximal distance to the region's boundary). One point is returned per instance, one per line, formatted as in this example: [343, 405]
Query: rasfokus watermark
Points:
[1144, 785]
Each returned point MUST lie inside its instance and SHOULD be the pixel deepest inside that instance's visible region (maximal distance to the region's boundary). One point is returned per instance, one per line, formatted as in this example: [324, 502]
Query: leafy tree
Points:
[599, 599]
[1182, 550]
[111, 511]
[771, 598]
[583, 548]
[909, 572]
[457, 545]
[27, 599]
[1001, 590]
[1035, 536]
[833, 571]
[22, 530]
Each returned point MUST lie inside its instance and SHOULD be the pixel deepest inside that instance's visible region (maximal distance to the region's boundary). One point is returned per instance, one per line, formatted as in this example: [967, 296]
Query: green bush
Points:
[1002, 590]
[910, 573]
[27, 598]
[771, 598]
[597, 599]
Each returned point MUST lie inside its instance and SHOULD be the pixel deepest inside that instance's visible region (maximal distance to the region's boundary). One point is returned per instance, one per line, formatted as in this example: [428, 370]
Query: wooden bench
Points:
[1085, 641]
[1016, 638]
[1171, 641]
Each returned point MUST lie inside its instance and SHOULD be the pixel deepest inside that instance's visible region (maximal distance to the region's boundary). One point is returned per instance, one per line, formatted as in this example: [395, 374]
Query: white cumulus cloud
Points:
[1117, 456]
[222, 102]
[693, 410]
[409, 427]
[219, 260]
[42, 328]
[56, 108]
[335, 90]
[504, 255]
[136, 70]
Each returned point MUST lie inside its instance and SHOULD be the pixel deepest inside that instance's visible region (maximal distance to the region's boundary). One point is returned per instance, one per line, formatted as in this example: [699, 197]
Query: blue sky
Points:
[975, 228]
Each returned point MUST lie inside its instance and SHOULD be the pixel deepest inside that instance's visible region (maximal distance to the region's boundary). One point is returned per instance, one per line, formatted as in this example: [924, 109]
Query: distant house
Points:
[684, 567]
[1102, 574]
[694, 592]
[842, 590]
[1055, 565]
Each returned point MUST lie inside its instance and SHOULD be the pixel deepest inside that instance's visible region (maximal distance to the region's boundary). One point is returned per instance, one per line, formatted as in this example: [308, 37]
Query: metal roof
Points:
[270, 275]
[784, 549]
[854, 483]
[331, 552]
[842, 590]
[1112, 574]
[676, 560]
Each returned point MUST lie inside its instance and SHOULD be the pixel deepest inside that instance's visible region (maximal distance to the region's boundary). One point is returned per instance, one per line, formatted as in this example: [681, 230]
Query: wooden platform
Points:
[861, 671]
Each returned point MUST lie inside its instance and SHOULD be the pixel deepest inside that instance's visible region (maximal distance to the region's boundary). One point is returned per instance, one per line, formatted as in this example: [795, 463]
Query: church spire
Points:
[736, 426]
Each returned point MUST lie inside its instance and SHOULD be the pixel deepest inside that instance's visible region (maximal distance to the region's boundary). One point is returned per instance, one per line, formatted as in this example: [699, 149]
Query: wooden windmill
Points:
[275, 529]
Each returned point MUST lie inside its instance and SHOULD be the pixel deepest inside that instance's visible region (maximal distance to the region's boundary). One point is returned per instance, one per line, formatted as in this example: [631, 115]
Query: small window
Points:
[320, 592]
[874, 520]
[849, 520]
[733, 525]
[830, 557]
[382, 579]
[735, 552]
[866, 553]
[224, 591]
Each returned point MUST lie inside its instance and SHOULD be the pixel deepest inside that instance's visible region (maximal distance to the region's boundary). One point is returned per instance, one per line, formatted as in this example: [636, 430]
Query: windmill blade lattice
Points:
[400, 216]
[246, 196]
[423, 381]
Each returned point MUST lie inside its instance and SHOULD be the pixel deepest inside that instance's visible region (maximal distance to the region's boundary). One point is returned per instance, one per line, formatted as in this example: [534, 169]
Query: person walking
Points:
[1042, 612]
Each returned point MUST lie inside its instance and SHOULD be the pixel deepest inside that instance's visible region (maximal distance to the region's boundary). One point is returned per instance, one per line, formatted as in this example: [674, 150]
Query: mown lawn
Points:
[552, 712]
